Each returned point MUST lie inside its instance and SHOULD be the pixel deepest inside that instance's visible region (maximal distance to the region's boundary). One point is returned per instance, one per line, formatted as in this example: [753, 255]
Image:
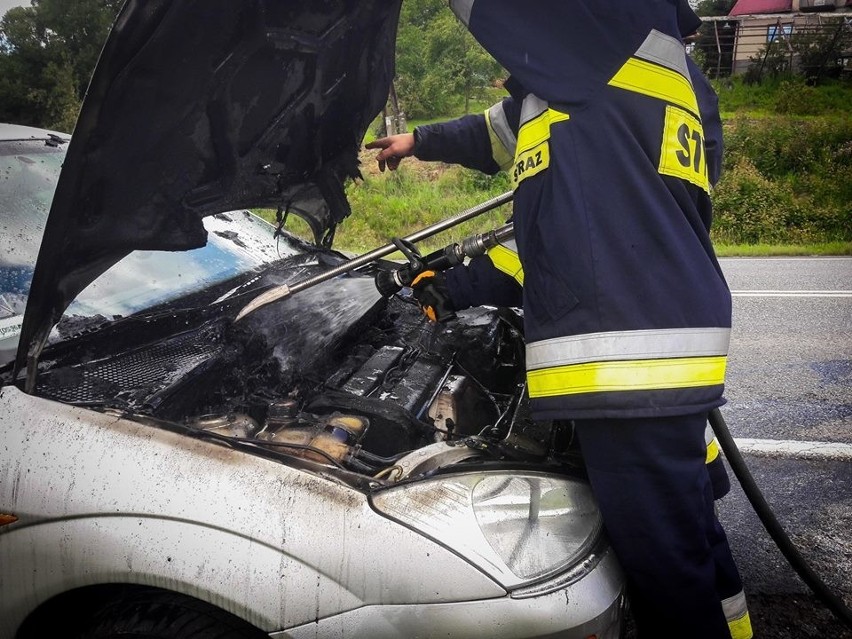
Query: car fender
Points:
[101, 498]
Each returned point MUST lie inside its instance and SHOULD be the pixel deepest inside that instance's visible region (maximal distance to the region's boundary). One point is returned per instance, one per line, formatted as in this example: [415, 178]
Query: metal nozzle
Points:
[262, 300]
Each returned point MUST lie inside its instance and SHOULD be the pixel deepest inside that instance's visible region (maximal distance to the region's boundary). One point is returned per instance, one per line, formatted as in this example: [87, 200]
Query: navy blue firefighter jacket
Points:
[612, 140]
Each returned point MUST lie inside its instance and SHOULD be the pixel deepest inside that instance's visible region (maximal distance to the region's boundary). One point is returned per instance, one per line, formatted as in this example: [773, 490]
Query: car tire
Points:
[155, 614]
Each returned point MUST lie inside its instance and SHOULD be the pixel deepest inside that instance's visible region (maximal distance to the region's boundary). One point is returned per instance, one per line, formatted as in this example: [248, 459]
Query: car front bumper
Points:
[591, 606]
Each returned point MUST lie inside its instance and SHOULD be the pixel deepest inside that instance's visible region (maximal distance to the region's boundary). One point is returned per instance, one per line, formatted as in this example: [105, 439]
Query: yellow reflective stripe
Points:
[537, 130]
[656, 81]
[636, 375]
[502, 156]
[712, 451]
[532, 155]
[741, 628]
[507, 261]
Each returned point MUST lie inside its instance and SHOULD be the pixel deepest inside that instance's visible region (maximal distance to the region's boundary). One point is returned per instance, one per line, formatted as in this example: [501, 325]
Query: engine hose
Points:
[832, 601]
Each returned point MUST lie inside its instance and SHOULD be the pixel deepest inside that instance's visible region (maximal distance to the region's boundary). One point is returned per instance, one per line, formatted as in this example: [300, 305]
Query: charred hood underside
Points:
[203, 106]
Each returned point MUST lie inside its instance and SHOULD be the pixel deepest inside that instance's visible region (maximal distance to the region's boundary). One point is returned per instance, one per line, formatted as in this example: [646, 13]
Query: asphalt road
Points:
[790, 380]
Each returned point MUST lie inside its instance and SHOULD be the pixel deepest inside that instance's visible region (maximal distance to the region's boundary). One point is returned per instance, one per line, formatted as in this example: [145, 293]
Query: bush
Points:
[797, 98]
[748, 207]
[779, 146]
[751, 209]
[785, 180]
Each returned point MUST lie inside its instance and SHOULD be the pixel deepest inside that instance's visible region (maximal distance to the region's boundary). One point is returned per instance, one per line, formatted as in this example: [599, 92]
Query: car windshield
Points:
[238, 242]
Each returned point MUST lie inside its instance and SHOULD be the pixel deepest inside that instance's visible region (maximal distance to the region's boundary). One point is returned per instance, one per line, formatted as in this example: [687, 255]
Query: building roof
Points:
[747, 7]
[762, 7]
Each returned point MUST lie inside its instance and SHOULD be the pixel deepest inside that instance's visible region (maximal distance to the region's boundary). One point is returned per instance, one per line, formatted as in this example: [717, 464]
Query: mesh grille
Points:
[136, 374]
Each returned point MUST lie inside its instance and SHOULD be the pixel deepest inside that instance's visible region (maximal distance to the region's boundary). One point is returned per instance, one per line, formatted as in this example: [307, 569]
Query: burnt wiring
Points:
[512, 407]
[490, 395]
[395, 372]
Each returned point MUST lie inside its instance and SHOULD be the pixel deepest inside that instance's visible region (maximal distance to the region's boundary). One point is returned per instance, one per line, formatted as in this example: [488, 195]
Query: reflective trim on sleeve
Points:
[462, 9]
[532, 107]
[626, 345]
[503, 140]
[532, 153]
[505, 259]
[712, 444]
[736, 612]
[712, 451]
[635, 375]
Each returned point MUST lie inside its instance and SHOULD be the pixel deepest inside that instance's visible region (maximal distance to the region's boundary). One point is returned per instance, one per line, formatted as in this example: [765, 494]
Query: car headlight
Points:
[517, 527]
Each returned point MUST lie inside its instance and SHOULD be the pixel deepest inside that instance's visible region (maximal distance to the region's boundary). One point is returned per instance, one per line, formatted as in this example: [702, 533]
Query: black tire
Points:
[156, 614]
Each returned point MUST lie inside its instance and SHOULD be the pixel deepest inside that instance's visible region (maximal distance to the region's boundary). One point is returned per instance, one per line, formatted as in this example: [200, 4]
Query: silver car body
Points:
[102, 499]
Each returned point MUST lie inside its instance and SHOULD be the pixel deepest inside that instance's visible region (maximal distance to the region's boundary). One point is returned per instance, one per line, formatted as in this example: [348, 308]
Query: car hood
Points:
[203, 106]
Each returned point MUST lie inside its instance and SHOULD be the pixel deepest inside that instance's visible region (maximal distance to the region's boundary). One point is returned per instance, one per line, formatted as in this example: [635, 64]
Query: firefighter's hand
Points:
[430, 290]
[393, 149]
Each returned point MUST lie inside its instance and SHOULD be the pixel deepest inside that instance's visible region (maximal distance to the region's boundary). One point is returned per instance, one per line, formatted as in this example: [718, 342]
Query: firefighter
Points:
[627, 314]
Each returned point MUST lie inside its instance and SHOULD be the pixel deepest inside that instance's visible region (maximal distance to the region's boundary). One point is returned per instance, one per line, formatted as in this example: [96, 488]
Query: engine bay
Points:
[344, 378]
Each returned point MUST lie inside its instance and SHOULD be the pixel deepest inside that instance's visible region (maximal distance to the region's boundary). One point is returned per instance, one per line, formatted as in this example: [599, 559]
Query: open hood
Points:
[203, 106]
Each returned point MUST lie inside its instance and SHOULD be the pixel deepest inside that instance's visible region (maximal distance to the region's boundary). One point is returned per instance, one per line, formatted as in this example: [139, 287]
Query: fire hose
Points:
[831, 600]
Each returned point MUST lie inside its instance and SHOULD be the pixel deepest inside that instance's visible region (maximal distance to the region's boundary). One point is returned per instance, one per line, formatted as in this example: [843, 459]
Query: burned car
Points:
[333, 465]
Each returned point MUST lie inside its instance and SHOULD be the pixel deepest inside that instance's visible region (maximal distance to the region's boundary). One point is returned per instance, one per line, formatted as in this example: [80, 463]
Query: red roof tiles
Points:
[745, 7]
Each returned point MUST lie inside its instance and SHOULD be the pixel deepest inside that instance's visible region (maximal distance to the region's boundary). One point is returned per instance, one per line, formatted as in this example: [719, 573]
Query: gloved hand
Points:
[430, 290]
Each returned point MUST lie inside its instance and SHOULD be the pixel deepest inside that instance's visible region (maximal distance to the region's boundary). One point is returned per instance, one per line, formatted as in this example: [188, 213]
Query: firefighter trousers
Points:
[655, 496]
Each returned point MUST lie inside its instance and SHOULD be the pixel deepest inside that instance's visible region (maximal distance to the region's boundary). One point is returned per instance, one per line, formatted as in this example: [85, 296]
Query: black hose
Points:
[372, 458]
[832, 601]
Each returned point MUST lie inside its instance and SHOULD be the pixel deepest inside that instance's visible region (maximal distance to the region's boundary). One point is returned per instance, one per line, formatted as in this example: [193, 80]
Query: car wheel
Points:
[154, 614]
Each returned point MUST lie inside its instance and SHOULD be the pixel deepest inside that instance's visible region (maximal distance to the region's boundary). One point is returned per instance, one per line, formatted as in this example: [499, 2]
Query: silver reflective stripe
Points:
[500, 125]
[709, 435]
[626, 345]
[511, 245]
[735, 607]
[665, 51]
[531, 108]
[462, 9]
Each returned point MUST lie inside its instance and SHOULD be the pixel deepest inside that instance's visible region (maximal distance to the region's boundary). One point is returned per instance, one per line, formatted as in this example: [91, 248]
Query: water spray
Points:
[285, 290]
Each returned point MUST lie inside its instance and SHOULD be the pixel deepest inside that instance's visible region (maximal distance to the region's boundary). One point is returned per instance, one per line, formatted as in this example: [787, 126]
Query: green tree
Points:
[714, 7]
[439, 64]
[47, 54]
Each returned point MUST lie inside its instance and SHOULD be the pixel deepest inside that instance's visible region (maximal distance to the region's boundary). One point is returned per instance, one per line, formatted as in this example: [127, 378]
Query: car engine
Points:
[337, 376]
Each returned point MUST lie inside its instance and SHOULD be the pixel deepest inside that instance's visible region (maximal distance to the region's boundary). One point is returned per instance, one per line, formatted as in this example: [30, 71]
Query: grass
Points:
[778, 250]
[773, 96]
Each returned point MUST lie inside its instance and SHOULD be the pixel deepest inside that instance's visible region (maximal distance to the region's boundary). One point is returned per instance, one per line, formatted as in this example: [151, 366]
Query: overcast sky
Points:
[5, 5]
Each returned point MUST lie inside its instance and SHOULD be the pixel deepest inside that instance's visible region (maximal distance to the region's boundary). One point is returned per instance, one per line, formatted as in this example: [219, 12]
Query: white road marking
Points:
[834, 451]
[827, 258]
[791, 293]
